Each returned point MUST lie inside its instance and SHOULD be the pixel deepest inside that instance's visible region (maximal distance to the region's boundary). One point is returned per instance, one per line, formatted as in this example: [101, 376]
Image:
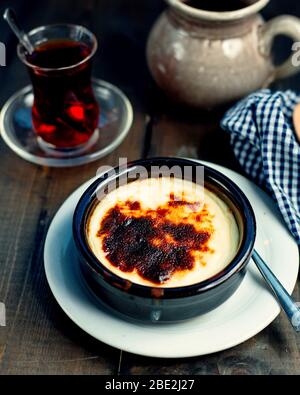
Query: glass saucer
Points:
[116, 117]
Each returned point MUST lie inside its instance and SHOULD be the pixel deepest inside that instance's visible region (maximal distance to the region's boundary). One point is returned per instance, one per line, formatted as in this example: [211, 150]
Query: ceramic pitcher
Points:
[207, 58]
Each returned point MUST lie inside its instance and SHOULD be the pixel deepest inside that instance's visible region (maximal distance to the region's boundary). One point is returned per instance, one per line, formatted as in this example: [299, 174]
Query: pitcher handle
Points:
[282, 25]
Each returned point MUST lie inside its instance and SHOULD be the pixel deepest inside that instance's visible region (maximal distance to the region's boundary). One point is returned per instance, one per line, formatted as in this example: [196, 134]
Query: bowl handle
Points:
[282, 25]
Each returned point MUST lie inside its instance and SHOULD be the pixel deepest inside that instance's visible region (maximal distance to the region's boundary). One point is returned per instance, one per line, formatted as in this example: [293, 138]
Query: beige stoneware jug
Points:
[209, 58]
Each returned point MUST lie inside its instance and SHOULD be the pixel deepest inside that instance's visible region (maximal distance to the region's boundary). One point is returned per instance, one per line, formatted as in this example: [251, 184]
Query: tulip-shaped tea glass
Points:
[64, 113]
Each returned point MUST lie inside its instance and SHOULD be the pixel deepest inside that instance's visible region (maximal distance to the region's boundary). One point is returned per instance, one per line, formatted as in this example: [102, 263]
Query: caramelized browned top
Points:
[155, 243]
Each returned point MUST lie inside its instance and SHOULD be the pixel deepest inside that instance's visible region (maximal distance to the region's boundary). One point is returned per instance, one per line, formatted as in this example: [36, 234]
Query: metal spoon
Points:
[11, 19]
[288, 304]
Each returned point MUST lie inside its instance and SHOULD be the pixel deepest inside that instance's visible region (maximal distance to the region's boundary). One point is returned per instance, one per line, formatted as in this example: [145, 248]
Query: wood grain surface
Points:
[38, 337]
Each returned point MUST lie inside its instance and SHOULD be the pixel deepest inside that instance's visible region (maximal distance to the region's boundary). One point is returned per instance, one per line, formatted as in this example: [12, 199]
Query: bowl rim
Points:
[233, 192]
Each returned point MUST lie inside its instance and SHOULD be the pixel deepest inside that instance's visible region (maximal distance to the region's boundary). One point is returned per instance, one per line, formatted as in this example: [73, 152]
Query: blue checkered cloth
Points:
[264, 142]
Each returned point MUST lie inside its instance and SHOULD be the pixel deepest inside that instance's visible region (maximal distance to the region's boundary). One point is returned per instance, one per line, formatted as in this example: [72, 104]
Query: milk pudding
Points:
[163, 232]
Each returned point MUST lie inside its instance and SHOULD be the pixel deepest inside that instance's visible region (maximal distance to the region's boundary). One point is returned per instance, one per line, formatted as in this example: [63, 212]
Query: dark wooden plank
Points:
[191, 136]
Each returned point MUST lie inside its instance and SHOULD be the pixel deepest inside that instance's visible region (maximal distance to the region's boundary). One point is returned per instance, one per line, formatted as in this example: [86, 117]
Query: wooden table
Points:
[39, 338]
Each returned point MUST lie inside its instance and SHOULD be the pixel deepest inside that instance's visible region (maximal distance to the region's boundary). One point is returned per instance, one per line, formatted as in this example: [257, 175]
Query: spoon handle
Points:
[288, 304]
[11, 19]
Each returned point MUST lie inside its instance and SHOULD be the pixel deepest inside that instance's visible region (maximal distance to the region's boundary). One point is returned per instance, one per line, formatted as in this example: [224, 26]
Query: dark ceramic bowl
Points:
[152, 304]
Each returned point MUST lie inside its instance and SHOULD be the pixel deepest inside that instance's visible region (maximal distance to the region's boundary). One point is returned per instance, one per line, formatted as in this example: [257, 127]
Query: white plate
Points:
[247, 312]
